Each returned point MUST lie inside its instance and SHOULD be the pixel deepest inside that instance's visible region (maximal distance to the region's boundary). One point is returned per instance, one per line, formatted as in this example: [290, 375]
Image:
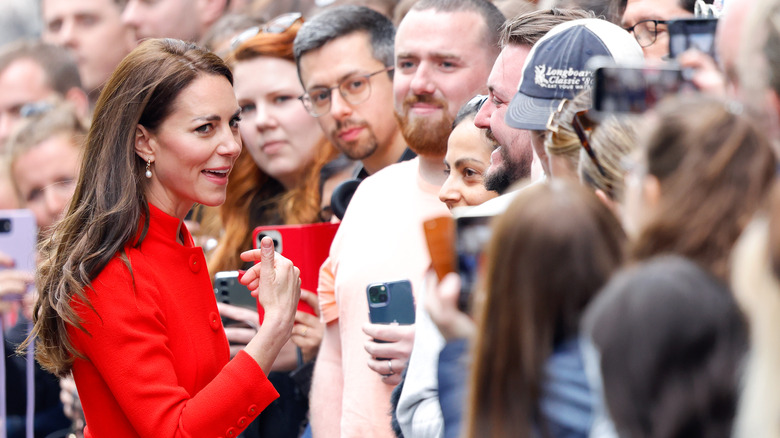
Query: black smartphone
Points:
[229, 291]
[473, 233]
[692, 33]
[390, 302]
[635, 89]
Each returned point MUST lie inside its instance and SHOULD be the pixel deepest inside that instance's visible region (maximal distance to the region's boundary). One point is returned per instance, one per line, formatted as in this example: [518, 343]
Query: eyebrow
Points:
[215, 117]
[436, 55]
[338, 79]
[463, 161]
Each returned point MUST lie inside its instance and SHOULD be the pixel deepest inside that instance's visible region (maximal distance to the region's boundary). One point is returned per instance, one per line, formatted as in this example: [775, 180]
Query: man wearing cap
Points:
[444, 50]
[512, 158]
[557, 69]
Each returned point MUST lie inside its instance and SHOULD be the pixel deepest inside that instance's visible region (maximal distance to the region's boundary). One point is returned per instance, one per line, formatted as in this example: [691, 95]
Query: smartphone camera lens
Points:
[5, 225]
[378, 294]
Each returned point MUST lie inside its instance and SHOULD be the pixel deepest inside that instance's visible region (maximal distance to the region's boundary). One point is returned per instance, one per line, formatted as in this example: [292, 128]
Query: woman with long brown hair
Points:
[125, 298]
[550, 253]
[701, 174]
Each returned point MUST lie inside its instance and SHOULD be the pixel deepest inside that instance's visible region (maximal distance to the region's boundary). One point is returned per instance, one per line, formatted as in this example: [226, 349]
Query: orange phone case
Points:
[440, 235]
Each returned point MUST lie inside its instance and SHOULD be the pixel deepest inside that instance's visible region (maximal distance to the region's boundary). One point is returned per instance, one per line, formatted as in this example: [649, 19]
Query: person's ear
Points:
[80, 101]
[209, 12]
[606, 200]
[651, 191]
[144, 143]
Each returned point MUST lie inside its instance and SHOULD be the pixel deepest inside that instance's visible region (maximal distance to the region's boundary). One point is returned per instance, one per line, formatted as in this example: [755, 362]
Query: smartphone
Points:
[390, 302]
[18, 238]
[228, 290]
[473, 234]
[692, 33]
[635, 89]
[440, 236]
[307, 246]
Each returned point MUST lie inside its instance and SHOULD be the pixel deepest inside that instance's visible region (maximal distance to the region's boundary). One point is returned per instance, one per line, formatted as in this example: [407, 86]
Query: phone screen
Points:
[692, 33]
[620, 89]
[473, 233]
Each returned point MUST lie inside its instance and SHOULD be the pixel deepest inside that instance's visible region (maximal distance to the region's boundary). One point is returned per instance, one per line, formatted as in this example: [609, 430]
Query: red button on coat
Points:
[214, 321]
[253, 410]
[231, 432]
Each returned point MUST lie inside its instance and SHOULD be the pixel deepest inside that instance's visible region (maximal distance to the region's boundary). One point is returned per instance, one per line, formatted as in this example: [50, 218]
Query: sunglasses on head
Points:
[279, 24]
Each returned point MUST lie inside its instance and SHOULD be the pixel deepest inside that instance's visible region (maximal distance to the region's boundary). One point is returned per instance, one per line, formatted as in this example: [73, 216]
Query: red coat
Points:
[158, 363]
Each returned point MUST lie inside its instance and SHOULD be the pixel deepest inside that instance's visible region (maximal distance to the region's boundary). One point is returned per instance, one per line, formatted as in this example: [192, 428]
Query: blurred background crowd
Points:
[629, 281]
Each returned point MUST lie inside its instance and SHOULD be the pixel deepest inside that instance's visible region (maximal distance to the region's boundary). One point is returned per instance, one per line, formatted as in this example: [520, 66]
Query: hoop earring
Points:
[148, 168]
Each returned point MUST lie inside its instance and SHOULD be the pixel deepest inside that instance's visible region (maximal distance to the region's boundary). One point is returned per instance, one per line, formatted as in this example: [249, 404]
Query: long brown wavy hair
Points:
[252, 191]
[109, 200]
[714, 167]
[550, 253]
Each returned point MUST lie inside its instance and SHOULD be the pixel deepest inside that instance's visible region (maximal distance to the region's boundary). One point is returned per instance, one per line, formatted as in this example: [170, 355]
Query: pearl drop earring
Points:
[148, 168]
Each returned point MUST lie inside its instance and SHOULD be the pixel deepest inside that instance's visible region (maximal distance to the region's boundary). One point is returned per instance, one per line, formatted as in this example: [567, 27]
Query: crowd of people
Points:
[629, 262]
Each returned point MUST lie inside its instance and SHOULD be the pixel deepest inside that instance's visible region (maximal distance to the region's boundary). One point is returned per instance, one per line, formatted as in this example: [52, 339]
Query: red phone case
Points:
[307, 246]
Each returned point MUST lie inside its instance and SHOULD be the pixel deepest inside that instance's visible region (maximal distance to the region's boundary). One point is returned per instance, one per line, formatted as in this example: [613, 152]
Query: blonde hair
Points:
[612, 141]
[562, 141]
[54, 119]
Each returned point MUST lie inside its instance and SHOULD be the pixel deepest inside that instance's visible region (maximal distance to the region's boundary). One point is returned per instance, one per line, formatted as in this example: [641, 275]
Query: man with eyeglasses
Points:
[381, 236]
[345, 63]
[646, 20]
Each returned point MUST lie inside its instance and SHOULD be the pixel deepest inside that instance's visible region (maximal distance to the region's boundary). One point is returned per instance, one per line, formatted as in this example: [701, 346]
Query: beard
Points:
[356, 149]
[425, 137]
[509, 172]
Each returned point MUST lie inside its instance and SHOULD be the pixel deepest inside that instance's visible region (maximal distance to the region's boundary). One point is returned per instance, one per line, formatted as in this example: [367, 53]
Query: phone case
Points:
[397, 308]
[307, 246]
[228, 290]
[18, 237]
[440, 235]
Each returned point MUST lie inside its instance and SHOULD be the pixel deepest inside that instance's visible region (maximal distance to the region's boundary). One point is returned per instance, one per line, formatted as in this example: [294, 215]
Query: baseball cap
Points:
[556, 67]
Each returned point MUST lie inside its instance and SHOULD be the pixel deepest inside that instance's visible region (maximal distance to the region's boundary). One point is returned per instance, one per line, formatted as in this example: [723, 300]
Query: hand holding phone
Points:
[391, 312]
[229, 290]
[389, 349]
[441, 302]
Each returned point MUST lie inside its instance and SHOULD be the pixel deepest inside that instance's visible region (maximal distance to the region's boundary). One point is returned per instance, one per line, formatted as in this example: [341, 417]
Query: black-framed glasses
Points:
[279, 24]
[354, 89]
[646, 31]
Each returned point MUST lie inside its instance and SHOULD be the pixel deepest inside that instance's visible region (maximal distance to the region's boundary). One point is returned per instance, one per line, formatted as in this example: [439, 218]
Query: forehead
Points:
[54, 8]
[638, 10]
[23, 81]
[467, 141]
[429, 32]
[263, 73]
[207, 95]
[338, 58]
[507, 71]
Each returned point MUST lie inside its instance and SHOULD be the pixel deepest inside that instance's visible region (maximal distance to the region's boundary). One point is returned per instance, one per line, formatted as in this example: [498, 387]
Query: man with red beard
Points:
[444, 52]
